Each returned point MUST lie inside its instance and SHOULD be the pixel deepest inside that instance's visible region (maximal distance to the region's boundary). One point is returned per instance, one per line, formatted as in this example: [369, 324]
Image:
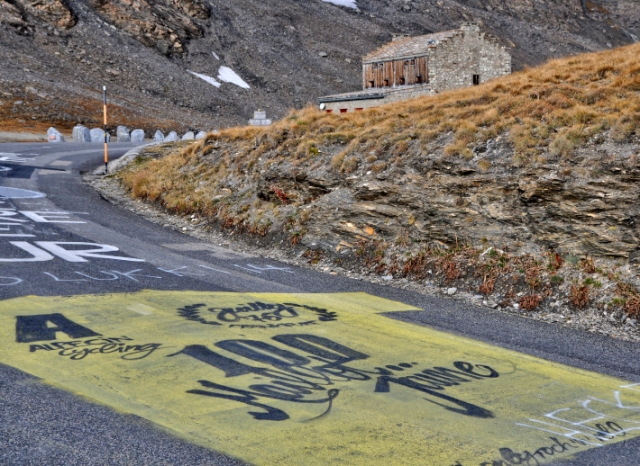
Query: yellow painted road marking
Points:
[141, 309]
[314, 379]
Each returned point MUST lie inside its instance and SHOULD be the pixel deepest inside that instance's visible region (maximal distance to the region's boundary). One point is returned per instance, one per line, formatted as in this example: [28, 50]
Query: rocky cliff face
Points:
[288, 52]
[588, 206]
[166, 26]
[585, 205]
[20, 14]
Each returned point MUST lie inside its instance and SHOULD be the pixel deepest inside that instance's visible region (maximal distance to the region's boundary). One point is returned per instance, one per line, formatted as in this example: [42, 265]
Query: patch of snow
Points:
[206, 78]
[347, 3]
[215, 55]
[227, 75]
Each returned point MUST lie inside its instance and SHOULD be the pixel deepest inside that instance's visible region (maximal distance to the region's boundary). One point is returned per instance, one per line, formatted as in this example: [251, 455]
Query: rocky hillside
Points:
[56, 54]
[545, 159]
[524, 188]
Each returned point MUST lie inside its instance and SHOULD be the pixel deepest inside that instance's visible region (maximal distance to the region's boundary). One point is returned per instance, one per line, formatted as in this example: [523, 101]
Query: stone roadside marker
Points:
[97, 135]
[123, 134]
[137, 136]
[259, 119]
[53, 135]
[81, 134]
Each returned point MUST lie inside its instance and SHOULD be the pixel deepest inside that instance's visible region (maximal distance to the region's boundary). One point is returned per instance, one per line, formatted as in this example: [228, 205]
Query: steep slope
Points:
[545, 158]
[524, 188]
[288, 52]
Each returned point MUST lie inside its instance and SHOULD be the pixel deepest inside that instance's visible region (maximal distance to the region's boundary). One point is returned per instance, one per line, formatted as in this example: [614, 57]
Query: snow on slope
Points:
[206, 78]
[225, 74]
[347, 3]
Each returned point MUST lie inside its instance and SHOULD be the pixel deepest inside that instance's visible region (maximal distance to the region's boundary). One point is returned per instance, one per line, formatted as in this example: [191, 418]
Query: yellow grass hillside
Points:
[543, 166]
[546, 112]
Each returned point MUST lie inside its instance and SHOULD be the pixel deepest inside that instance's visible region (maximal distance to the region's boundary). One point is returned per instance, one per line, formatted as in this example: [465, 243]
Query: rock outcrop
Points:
[543, 160]
[11, 16]
[587, 205]
[166, 25]
[54, 12]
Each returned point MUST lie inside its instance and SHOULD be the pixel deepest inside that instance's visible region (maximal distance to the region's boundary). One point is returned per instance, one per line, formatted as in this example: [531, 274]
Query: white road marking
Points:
[16, 193]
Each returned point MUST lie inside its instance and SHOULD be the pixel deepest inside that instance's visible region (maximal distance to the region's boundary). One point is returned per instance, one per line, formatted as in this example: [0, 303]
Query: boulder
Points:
[81, 134]
[158, 137]
[97, 135]
[188, 136]
[137, 136]
[53, 135]
[122, 134]
[171, 137]
[201, 135]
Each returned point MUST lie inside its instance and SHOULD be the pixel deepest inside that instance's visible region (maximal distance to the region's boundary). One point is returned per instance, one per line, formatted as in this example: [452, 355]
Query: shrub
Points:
[579, 296]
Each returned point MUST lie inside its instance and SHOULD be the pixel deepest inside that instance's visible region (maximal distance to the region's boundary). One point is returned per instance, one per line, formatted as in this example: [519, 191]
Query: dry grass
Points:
[543, 112]
[36, 114]
[579, 296]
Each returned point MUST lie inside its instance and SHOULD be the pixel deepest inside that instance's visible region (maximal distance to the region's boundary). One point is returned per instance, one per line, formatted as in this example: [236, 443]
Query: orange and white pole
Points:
[106, 135]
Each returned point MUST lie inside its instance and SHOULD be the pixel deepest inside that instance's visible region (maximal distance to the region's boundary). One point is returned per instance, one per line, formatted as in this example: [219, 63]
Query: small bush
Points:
[530, 302]
[350, 165]
[556, 280]
[623, 130]
[336, 160]
[562, 146]
[379, 167]
[579, 296]
[587, 265]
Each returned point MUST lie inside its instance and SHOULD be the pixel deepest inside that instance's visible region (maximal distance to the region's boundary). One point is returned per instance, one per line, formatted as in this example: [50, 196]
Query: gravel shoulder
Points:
[15, 136]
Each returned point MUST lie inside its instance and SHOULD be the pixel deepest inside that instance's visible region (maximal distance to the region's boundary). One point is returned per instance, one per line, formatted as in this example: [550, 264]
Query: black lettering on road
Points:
[36, 328]
[304, 378]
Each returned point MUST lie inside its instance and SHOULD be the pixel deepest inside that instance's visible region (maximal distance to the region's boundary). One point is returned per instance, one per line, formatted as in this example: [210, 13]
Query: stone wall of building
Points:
[349, 106]
[454, 61]
[390, 95]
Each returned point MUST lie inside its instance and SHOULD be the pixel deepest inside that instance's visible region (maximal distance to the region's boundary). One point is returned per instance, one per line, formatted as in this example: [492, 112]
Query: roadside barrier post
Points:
[106, 135]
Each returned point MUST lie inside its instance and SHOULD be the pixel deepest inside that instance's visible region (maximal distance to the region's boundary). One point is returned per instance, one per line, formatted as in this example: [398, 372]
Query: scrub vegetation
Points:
[552, 109]
[272, 184]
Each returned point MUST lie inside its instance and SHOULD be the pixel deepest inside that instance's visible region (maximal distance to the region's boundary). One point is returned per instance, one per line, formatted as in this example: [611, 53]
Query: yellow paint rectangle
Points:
[314, 379]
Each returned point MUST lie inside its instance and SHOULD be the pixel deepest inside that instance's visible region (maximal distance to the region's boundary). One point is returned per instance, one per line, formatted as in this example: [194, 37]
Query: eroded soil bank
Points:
[521, 192]
[374, 237]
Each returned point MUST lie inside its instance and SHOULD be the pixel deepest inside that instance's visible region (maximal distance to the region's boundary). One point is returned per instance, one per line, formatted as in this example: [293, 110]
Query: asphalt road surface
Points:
[126, 343]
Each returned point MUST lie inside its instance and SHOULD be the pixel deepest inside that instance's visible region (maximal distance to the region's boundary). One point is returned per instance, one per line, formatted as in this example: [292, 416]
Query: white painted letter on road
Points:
[48, 217]
[38, 255]
[79, 255]
[70, 255]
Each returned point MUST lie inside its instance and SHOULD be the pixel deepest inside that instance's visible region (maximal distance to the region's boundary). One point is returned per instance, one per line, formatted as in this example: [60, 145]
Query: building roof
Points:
[409, 47]
[371, 93]
[364, 94]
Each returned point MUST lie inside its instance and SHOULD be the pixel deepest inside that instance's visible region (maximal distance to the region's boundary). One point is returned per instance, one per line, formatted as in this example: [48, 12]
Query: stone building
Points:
[410, 67]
